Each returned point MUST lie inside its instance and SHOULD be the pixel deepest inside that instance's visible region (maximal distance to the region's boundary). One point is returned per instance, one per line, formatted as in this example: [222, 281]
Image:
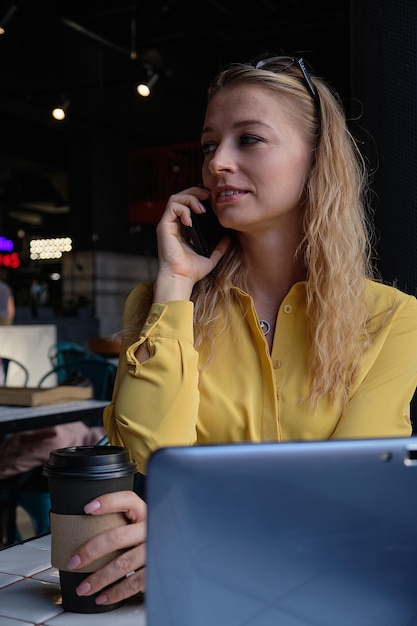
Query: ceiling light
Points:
[60, 112]
[6, 18]
[144, 89]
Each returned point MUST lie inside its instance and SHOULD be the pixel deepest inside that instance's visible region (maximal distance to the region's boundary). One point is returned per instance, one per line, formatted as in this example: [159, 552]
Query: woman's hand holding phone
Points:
[205, 232]
[180, 265]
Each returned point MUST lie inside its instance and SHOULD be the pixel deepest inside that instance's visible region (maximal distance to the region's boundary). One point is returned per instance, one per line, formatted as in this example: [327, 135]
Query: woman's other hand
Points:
[126, 573]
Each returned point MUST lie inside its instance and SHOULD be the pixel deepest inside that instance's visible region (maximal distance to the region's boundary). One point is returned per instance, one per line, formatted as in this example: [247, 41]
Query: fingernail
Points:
[74, 562]
[202, 207]
[83, 588]
[92, 506]
[101, 599]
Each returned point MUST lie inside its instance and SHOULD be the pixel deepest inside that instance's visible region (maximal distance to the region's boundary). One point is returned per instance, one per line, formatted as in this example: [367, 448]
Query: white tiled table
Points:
[30, 592]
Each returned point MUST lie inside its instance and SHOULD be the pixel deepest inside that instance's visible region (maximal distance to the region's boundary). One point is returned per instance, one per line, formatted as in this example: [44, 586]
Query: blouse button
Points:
[277, 364]
[152, 319]
[288, 308]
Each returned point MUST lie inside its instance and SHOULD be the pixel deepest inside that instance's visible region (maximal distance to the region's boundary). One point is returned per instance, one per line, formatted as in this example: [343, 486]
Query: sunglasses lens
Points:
[280, 64]
[284, 62]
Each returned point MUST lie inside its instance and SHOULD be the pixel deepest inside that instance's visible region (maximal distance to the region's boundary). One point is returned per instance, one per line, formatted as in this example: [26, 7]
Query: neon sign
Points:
[6, 245]
[8, 258]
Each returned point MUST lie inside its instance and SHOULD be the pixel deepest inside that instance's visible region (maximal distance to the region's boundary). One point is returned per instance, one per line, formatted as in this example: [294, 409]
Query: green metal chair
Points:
[64, 353]
[97, 372]
[30, 491]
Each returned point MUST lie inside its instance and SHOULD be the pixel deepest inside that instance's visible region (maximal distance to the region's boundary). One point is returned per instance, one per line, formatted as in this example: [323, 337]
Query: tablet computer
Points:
[283, 534]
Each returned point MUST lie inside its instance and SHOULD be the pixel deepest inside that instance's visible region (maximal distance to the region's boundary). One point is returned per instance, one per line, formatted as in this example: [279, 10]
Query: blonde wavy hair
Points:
[337, 243]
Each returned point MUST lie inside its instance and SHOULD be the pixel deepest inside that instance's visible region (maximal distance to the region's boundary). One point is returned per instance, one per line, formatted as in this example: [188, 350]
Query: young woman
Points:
[283, 333]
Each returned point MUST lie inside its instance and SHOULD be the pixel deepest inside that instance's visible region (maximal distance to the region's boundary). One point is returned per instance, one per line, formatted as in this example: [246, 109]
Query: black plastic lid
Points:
[89, 462]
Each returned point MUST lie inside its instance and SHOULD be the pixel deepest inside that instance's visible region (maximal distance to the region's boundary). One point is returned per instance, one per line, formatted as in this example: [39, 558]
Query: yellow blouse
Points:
[248, 394]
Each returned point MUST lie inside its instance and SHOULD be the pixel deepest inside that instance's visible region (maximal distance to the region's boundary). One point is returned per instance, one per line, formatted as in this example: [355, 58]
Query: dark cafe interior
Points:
[101, 105]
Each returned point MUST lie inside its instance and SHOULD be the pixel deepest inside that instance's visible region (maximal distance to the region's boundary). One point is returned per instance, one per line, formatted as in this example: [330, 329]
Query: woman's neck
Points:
[271, 272]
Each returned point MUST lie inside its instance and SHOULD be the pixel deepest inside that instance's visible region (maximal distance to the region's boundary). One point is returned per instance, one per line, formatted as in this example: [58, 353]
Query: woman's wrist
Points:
[172, 287]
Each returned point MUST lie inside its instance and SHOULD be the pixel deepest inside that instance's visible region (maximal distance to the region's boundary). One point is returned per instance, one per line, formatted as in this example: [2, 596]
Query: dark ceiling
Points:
[84, 50]
[93, 52]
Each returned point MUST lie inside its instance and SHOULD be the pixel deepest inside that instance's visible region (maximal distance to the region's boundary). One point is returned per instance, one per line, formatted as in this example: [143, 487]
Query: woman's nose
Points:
[221, 160]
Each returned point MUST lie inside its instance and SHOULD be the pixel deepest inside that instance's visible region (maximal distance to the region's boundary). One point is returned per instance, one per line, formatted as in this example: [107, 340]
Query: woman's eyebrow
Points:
[241, 123]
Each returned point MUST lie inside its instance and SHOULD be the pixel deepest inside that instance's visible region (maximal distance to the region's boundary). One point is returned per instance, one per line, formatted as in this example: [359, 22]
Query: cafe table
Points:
[30, 592]
[17, 418]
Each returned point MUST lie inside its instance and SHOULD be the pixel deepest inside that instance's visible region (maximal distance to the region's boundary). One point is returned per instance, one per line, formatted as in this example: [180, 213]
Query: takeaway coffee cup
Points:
[77, 475]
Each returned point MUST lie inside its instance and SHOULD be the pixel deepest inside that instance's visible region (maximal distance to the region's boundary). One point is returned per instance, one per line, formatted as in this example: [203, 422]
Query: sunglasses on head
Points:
[288, 62]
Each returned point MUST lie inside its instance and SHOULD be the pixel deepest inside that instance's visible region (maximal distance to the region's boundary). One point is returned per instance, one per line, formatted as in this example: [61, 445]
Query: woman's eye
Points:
[208, 147]
[245, 139]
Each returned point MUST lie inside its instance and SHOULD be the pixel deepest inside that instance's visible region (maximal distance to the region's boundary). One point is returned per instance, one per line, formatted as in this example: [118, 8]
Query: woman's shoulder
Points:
[383, 297]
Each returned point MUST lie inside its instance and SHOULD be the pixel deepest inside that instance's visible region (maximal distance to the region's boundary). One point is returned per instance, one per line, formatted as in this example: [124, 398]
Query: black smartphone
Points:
[206, 231]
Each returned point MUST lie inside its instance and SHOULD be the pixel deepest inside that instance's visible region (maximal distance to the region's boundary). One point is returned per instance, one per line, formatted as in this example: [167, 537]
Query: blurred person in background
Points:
[7, 304]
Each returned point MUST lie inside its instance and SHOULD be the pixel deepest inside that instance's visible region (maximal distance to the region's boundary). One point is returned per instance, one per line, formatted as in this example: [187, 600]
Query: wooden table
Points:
[30, 592]
[17, 418]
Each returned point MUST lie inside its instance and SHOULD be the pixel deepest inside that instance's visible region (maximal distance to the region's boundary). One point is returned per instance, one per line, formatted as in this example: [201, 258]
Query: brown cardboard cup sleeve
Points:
[69, 532]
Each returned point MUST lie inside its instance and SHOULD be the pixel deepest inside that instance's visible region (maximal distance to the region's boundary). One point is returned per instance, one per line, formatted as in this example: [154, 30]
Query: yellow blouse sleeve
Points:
[155, 403]
[380, 403]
